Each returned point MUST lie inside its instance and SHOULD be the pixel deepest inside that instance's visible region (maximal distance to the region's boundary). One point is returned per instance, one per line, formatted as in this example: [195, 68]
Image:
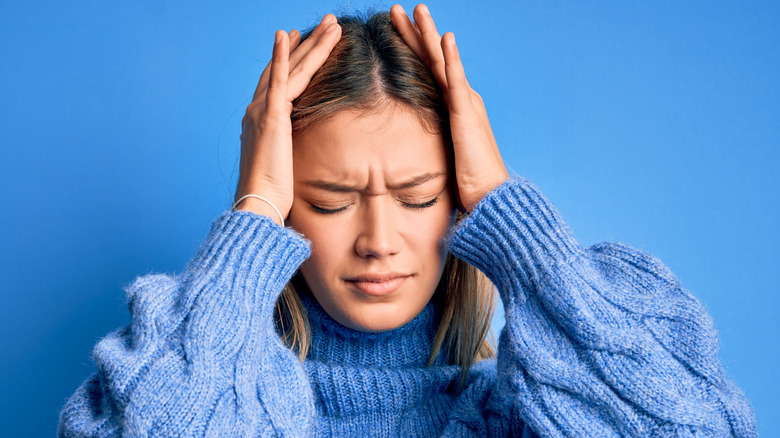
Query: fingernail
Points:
[278, 37]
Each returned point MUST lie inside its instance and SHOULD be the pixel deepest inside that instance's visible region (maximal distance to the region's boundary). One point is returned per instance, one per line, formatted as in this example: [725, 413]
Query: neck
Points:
[408, 346]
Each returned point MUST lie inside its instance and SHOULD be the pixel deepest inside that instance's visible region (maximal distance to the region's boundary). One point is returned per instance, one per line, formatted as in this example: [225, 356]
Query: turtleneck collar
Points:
[408, 346]
[372, 375]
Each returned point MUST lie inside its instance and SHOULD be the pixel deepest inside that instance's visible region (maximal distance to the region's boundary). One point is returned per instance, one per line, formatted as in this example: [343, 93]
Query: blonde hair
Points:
[369, 67]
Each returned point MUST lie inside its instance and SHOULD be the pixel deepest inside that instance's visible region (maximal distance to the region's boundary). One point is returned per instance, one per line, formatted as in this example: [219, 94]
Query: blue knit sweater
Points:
[600, 341]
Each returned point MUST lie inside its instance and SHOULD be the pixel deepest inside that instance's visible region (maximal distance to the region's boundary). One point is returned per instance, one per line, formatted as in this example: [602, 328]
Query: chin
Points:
[374, 318]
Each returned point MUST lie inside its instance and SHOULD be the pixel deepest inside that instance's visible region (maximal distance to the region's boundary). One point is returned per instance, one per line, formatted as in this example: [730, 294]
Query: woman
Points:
[366, 137]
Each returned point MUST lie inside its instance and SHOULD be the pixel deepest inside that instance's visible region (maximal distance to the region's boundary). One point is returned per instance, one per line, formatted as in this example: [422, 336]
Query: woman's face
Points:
[372, 194]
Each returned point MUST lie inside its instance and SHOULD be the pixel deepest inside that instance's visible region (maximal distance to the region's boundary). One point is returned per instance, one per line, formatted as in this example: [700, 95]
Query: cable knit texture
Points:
[599, 341]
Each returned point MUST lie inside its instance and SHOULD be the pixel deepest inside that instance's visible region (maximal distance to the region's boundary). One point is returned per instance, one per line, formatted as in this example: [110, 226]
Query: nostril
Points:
[376, 244]
[367, 247]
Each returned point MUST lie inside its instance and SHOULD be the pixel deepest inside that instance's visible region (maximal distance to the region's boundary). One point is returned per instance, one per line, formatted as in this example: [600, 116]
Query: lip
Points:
[378, 284]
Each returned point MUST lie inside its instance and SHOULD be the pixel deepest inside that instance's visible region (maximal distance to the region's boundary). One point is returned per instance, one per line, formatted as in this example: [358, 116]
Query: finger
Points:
[304, 47]
[262, 83]
[409, 33]
[432, 43]
[295, 39]
[301, 74]
[458, 87]
[463, 100]
[295, 43]
[276, 97]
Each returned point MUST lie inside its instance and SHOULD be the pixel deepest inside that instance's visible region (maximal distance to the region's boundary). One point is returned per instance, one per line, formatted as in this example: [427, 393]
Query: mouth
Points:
[378, 284]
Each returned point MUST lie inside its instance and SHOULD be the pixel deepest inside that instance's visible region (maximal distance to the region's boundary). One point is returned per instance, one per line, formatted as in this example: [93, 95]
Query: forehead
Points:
[381, 146]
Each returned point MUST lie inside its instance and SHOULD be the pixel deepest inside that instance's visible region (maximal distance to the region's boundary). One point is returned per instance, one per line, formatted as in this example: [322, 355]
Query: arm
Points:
[599, 341]
[201, 356]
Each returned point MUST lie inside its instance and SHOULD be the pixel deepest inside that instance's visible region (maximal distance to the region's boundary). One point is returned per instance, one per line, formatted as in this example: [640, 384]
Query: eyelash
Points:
[428, 204]
[326, 211]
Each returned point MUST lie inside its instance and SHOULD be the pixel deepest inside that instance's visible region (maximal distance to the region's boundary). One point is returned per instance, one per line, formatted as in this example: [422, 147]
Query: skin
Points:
[267, 169]
[375, 204]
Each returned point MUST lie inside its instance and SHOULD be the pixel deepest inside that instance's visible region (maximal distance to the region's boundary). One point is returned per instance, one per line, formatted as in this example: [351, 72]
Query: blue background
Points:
[651, 123]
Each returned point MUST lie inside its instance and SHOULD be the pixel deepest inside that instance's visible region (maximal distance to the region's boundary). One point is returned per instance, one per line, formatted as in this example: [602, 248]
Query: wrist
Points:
[261, 208]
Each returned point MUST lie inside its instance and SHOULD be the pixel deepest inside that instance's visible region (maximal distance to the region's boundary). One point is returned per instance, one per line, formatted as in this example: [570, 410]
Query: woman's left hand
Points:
[478, 164]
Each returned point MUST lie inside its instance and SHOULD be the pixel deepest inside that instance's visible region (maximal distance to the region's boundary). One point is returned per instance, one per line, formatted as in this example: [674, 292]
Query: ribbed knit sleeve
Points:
[599, 341]
[201, 356]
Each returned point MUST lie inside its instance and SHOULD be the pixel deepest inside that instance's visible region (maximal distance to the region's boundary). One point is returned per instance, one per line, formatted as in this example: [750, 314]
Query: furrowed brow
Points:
[340, 188]
[416, 181]
[332, 187]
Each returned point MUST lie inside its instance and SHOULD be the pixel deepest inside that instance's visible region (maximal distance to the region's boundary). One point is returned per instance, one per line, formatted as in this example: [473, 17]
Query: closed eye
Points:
[412, 205]
[327, 210]
[430, 203]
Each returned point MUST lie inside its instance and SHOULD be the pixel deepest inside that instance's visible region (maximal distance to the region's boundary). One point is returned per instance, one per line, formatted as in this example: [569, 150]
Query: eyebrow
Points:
[341, 188]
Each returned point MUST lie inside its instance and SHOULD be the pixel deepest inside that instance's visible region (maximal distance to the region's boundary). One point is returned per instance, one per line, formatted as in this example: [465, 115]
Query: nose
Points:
[379, 235]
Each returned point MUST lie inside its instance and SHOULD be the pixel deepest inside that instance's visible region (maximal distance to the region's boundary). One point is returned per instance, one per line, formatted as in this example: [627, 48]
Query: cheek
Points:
[330, 245]
[431, 230]
[445, 216]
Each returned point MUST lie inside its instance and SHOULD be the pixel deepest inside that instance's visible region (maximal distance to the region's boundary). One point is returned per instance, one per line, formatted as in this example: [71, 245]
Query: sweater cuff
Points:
[513, 235]
[249, 252]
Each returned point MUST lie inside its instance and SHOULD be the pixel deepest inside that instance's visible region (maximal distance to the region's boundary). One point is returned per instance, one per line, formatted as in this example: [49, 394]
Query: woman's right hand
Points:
[266, 139]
